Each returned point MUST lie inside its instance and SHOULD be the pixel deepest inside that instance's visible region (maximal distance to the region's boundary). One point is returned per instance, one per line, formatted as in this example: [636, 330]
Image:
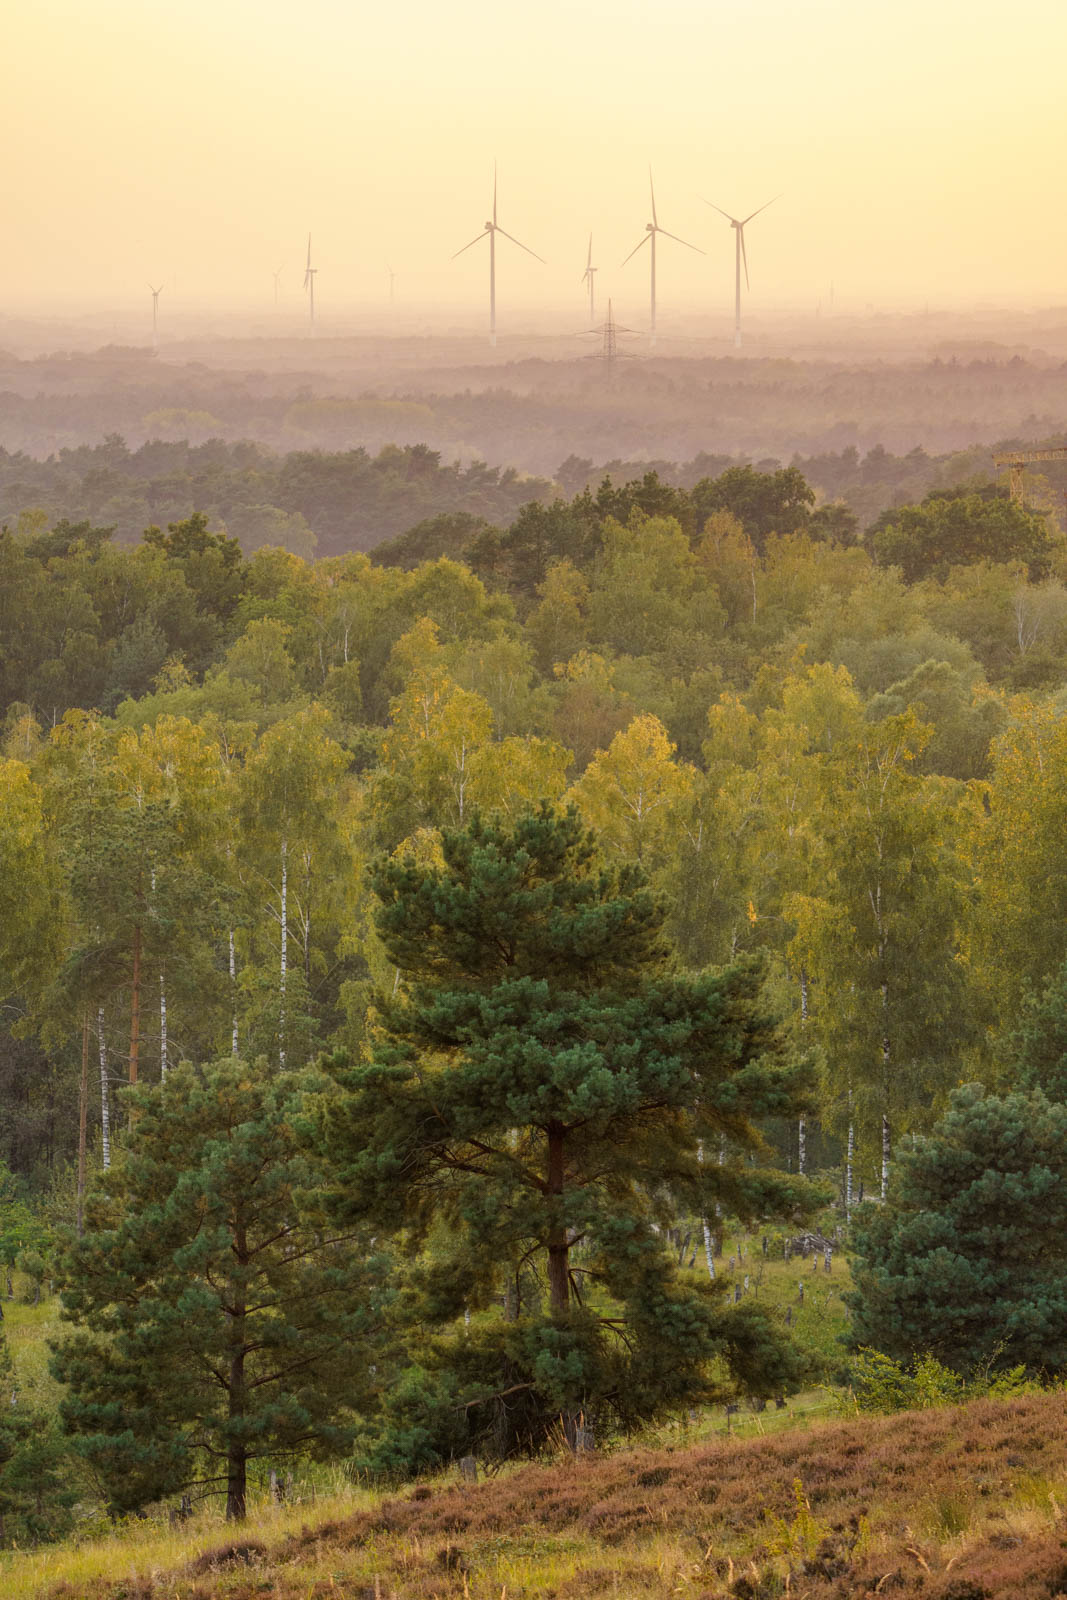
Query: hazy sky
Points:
[919, 146]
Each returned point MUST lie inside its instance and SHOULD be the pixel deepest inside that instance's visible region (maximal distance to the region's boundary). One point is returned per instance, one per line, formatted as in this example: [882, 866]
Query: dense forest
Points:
[314, 502]
[709, 782]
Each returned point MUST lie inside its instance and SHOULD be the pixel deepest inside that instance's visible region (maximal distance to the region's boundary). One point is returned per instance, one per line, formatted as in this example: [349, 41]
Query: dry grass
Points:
[952, 1504]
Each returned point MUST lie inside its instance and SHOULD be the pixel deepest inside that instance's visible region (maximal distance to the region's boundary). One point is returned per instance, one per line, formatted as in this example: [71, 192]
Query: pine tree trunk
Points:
[886, 1153]
[559, 1286]
[105, 1102]
[236, 1456]
[237, 1396]
[83, 1119]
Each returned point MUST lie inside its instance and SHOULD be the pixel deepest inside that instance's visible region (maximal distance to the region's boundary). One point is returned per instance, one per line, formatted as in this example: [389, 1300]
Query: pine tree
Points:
[537, 1098]
[217, 1324]
[968, 1260]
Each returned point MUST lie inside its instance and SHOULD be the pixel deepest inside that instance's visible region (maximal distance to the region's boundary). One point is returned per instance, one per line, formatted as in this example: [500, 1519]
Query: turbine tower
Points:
[309, 285]
[651, 230]
[589, 277]
[740, 254]
[492, 229]
[155, 318]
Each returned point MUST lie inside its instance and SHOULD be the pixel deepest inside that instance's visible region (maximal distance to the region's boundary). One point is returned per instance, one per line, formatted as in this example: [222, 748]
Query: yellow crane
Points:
[1015, 461]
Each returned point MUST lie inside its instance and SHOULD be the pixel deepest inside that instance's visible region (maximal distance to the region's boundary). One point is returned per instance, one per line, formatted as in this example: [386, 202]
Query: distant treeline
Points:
[534, 414]
[320, 503]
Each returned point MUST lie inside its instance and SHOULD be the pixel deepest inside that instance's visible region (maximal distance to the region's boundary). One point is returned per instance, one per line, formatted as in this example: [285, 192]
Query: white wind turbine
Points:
[309, 285]
[155, 317]
[277, 279]
[740, 254]
[589, 277]
[492, 229]
[651, 230]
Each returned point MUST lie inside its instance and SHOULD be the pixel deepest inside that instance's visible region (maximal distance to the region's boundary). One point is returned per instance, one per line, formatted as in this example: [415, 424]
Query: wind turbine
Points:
[589, 276]
[651, 230]
[277, 275]
[392, 283]
[492, 229]
[309, 285]
[740, 254]
[155, 318]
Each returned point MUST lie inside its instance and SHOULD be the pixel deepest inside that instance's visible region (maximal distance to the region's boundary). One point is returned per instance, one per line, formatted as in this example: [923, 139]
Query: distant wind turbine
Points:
[651, 230]
[740, 254]
[309, 285]
[589, 277]
[492, 229]
[155, 317]
[277, 276]
[392, 283]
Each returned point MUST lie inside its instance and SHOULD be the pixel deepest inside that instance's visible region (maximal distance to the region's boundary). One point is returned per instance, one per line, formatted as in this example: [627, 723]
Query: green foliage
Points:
[877, 1383]
[542, 1087]
[217, 1322]
[949, 530]
[966, 1261]
[36, 1489]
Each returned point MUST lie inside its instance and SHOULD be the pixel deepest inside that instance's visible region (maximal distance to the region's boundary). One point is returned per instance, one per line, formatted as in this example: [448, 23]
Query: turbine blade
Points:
[636, 248]
[676, 239]
[522, 246]
[309, 250]
[744, 254]
[494, 194]
[762, 208]
[589, 260]
[652, 192]
[477, 236]
[719, 209]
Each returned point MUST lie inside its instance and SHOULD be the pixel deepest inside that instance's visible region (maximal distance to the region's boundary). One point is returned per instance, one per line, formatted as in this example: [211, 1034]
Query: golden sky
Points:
[918, 145]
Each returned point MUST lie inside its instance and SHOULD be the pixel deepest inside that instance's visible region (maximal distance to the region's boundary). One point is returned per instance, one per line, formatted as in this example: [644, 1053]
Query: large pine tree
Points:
[545, 1094]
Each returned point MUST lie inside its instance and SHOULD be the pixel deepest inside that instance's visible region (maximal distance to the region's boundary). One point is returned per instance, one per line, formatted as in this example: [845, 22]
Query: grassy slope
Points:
[952, 1504]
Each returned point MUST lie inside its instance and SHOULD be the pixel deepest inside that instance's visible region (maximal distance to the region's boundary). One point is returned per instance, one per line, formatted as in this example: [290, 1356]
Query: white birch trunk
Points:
[802, 1127]
[233, 994]
[709, 1247]
[886, 1153]
[162, 1028]
[848, 1171]
[105, 1100]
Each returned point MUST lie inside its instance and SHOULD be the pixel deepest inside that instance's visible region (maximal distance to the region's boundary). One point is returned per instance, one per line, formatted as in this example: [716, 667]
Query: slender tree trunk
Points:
[307, 919]
[559, 1285]
[83, 1118]
[886, 1145]
[162, 1028]
[709, 1247]
[237, 1451]
[105, 1101]
[284, 951]
[233, 994]
[848, 1169]
[802, 1126]
[237, 1395]
[135, 1006]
